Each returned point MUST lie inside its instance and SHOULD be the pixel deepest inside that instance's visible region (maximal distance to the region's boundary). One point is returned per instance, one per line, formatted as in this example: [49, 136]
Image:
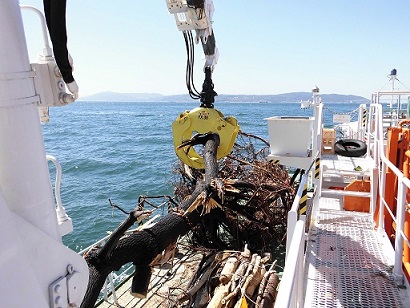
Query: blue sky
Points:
[265, 46]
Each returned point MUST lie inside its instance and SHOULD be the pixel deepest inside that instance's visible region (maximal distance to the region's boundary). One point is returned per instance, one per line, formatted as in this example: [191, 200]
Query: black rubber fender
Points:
[350, 147]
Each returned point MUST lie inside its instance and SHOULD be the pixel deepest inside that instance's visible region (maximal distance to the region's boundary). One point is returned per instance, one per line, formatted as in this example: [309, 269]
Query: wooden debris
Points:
[143, 246]
[165, 256]
[219, 293]
[197, 284]
[257, 274]
[240, 201]
[228, 279]
[140, 281]
[247, 202]
[270, 291]
[266, 277]
[228, 270]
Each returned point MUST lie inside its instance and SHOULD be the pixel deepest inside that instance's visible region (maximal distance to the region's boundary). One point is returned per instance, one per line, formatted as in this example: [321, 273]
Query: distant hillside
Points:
[274, 98]
[122, 97]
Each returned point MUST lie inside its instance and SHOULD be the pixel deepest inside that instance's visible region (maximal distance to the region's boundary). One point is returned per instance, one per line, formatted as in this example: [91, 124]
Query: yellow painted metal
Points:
[202, 121]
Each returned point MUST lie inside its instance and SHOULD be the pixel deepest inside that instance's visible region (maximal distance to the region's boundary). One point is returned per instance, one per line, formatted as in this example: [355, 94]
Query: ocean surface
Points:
[120, 151]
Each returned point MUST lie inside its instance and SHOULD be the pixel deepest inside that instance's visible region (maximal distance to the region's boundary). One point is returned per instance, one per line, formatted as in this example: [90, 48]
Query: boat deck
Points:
[167, 283]
[348, 263]
[340, 169]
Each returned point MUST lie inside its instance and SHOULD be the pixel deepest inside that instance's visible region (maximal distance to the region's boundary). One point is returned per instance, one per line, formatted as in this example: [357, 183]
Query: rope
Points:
[402, 84]
[347, 113]
[313, 162]
[384, 85]
[397, 79]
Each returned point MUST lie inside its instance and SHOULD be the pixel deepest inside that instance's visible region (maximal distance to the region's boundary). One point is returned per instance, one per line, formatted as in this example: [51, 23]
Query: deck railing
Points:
[403, 185]
[293, 214]
[375, 136]
[291, 286]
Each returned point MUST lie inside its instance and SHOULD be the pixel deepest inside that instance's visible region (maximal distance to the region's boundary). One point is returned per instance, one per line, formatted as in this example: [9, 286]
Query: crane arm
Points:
[197, 15]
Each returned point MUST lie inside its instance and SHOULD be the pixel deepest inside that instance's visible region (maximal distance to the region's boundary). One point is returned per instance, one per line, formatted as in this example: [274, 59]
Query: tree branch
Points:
[141, 247]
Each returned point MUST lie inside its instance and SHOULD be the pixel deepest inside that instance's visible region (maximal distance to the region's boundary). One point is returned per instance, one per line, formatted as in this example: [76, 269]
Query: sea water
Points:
[119, 151]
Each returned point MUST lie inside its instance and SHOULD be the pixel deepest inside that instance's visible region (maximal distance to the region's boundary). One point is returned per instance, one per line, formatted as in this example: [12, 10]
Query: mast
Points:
[393, 77]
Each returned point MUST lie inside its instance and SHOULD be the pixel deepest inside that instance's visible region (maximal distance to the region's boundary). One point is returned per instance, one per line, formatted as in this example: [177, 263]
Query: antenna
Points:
[393, 77]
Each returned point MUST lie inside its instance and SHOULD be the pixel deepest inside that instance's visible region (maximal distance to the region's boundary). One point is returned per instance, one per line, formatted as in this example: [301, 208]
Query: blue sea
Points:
[120, 151]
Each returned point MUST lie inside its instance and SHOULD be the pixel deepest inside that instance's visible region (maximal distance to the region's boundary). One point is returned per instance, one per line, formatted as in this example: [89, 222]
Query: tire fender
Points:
[350, 147]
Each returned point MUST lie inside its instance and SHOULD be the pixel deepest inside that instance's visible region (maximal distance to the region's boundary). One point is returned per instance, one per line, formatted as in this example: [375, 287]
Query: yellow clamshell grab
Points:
[203, 120]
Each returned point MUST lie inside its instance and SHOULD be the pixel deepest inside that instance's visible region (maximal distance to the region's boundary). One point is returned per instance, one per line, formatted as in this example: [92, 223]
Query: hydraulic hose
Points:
[55, 12]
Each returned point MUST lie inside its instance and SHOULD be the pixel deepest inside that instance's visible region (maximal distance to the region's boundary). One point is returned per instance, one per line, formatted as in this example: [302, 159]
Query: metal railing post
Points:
[398, 242]
[293, 214]
[289, 286]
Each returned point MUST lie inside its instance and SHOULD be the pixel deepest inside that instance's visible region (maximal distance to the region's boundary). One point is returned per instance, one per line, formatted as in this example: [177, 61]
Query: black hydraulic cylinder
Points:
[208, 94]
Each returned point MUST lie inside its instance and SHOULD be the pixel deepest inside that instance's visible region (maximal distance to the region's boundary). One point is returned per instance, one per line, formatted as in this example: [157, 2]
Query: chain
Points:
[348, 113]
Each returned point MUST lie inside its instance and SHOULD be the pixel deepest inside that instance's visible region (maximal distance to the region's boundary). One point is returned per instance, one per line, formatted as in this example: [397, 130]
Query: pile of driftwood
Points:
[252, 200]
[239, 202]
[232, 279]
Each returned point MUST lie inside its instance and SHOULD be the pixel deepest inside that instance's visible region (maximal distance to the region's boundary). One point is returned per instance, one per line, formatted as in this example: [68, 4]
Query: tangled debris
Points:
[252, 200]
[235, 212]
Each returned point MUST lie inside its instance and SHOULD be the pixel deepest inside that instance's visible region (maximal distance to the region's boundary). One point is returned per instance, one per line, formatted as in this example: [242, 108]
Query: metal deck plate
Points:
[337, 162]
[348, 265]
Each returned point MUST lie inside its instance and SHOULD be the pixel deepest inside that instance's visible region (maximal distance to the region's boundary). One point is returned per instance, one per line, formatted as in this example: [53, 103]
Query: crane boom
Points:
[197, 15]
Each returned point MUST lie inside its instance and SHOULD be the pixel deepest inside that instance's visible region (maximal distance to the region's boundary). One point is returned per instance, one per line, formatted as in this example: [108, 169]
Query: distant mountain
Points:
[291, 97]
[274, 98]
[109, 96]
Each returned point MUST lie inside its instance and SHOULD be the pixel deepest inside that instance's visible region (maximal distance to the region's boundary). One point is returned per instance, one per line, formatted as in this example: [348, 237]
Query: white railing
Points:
[403, 184]
[371, 136]
[401, 237]
[47, 52]
[318, 150]
[293, 214]
[291, 286]
[375, 133]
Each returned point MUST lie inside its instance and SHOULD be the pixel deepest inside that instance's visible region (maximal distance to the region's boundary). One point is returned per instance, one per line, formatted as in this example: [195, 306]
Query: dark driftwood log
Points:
[269, 294]
[140, 281]
[141, 247]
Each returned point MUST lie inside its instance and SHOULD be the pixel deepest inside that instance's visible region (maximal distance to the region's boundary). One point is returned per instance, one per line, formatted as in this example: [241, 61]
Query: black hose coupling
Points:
[208, 94]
